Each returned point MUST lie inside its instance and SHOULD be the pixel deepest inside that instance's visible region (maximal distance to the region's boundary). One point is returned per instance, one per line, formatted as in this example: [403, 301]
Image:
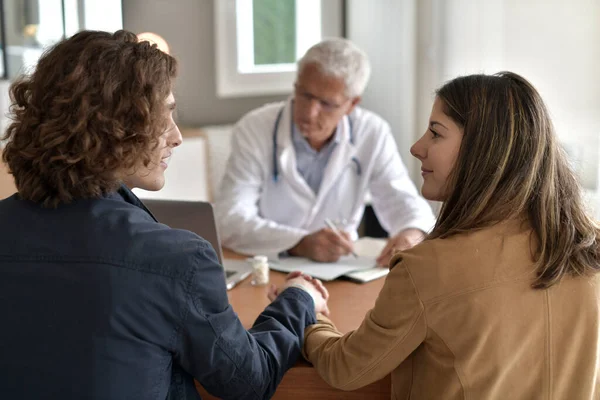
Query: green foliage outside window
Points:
[274, 31]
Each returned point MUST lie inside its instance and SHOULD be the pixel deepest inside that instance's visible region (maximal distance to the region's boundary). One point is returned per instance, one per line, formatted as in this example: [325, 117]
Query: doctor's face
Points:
[319, 104]
[438, 150]
[152, 176]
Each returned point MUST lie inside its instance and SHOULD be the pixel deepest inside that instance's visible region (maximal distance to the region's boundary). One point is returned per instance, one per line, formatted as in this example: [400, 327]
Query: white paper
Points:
[369, 247]
[323, 271]
[367, 275]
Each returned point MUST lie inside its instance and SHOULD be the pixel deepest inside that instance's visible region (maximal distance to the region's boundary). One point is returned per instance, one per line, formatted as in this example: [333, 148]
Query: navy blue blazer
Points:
[99, 301]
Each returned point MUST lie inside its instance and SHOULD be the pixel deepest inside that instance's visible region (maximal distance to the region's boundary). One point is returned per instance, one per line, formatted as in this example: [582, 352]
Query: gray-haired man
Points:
[296, 164]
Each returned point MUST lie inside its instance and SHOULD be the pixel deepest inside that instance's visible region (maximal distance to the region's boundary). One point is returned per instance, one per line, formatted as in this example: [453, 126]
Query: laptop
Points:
[198, 217]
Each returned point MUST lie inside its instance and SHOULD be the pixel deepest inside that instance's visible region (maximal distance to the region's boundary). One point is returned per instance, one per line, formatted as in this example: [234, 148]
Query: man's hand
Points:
[402, 241]
[323, 246]
[313, 286]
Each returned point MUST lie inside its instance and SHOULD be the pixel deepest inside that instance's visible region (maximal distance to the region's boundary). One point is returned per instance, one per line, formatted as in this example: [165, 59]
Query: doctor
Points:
[314, 157]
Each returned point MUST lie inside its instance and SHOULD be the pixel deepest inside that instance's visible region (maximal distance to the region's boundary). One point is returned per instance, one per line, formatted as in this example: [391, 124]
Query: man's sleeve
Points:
[229, 361]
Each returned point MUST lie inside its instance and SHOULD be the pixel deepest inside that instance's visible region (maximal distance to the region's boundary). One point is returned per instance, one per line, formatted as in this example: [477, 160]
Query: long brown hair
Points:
[510, 166]
[93, 107]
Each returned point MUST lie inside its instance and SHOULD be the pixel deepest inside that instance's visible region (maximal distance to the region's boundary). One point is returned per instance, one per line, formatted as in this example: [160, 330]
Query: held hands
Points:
[402, 241]
[313, 286]
[323, 246]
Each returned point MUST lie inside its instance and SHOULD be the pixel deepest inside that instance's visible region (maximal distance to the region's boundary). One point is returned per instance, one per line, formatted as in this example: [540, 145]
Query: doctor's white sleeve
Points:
[396, 201]
[241, 228]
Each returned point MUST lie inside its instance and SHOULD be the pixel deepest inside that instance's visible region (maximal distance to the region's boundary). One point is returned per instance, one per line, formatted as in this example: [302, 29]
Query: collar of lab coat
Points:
[340, 157]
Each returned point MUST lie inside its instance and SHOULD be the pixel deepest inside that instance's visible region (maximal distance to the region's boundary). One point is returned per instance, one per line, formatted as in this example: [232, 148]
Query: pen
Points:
[337, 232]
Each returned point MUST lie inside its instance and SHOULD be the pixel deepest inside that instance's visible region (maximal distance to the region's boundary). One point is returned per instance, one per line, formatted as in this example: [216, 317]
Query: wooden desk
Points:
[348, 304]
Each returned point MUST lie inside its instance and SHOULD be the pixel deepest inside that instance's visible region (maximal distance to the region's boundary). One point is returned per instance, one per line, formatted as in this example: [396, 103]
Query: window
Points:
[32, 26]
[259, 41]
[267, 34]
[102, 15]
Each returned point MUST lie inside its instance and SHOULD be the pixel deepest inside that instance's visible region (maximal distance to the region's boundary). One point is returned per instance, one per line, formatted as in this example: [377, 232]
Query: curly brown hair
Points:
[93, 107]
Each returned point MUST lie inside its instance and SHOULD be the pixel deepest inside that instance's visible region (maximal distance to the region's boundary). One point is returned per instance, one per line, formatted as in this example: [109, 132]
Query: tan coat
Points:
[458, 319]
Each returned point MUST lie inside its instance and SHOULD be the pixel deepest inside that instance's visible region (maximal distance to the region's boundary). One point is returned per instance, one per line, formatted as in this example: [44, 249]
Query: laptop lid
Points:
[198, 217]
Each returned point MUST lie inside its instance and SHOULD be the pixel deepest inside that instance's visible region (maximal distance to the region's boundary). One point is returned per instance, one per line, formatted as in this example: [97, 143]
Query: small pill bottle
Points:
[260, 270]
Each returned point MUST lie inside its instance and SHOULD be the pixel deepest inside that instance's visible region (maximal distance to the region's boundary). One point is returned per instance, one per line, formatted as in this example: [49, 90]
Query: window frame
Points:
[266, 79]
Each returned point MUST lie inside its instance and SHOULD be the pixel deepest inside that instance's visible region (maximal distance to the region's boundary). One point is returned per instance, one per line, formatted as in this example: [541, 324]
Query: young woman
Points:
[98, 300]
[501, 301]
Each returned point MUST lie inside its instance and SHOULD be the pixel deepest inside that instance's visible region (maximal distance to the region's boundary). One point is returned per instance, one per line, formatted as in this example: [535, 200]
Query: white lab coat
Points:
[258, 215]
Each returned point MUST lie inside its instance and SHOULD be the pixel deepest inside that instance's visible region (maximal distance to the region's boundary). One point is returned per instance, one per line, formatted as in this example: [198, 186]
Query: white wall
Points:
[386, 30]
[553, 43]
[564, 68]
[416, 46]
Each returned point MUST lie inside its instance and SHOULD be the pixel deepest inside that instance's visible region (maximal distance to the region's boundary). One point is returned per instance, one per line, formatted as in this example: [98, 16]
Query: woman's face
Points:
[152, 176]
[437, 150]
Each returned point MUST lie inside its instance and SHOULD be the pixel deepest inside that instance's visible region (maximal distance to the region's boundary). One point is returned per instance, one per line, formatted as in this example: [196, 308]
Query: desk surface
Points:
[348, 303]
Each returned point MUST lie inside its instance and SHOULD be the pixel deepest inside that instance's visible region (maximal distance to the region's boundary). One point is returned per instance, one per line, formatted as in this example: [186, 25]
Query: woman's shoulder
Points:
[512, 233]
[430, 251]
[471, 259]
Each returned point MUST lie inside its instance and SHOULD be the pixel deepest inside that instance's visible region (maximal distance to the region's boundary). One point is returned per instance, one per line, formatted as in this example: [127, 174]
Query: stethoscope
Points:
[276, 128]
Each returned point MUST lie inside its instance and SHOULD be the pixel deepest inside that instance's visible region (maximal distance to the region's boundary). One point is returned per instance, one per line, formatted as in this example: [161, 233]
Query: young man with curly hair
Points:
[99, 300]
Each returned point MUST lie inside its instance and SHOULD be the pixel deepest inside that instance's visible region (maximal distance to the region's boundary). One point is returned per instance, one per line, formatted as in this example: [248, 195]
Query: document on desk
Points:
[362, 268]
[323, 271]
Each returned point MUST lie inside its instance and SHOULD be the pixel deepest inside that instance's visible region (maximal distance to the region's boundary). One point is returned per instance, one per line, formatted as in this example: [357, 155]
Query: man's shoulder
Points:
[264, 111]
[131, 235]
[139, 243]
[252, 124]
[364, 115]
[104, 230]
[368, 121]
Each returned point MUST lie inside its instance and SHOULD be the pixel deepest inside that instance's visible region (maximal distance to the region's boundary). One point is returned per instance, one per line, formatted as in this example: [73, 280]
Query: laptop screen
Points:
[194, 216]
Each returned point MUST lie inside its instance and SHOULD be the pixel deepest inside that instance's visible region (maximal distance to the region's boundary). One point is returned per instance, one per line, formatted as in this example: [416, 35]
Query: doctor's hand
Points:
[323, 246]
[312, 286]
[402, 241]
